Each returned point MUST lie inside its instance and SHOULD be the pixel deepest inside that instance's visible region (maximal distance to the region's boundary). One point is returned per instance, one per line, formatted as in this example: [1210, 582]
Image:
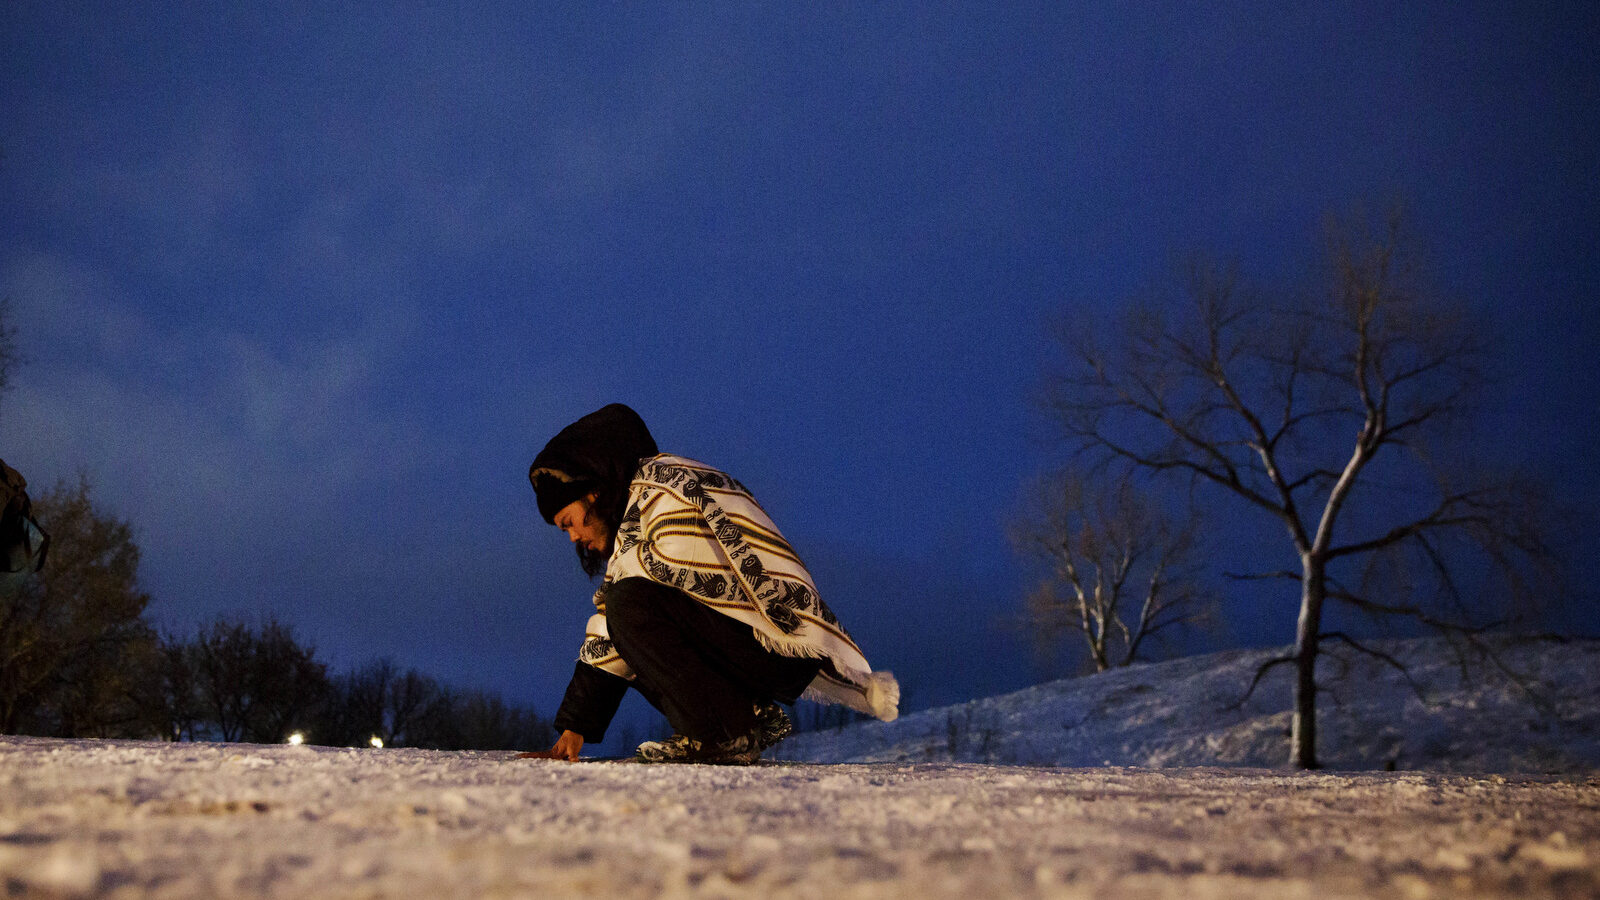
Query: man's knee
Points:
[632, 604]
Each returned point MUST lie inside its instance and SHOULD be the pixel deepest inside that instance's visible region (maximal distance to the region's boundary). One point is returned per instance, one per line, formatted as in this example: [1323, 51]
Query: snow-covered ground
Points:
[1185, 713]
[133, 819]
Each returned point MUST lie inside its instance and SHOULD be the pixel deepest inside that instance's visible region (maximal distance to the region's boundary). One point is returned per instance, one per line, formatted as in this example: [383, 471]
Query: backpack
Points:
[23, 543]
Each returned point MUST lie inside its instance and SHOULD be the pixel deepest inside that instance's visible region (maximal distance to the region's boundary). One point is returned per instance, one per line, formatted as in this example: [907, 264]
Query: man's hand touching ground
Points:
[567, 747]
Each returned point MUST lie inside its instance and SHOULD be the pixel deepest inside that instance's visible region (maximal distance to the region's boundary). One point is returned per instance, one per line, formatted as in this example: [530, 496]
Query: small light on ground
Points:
[297, 739]
[376, 742]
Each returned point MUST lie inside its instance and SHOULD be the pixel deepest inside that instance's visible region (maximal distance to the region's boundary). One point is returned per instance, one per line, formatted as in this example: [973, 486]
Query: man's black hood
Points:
[599, 453]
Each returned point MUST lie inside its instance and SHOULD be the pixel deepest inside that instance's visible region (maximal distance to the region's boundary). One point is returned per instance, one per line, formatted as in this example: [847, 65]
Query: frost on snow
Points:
[133, 819]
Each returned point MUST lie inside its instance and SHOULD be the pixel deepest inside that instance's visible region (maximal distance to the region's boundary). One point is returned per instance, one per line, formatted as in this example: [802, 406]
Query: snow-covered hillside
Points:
[1185, 713]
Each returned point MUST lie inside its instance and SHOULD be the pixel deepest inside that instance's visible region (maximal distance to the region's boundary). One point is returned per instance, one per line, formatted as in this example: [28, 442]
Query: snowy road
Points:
[127, 819]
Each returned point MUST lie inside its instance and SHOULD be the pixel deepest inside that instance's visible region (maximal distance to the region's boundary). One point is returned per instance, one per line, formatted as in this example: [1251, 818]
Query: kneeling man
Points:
[704, 608]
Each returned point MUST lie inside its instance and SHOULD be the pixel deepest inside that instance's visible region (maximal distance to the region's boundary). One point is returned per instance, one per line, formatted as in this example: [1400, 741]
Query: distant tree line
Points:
[79, 659]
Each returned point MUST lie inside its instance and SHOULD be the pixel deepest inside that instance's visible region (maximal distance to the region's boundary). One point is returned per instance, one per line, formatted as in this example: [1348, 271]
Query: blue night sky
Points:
[303, 291]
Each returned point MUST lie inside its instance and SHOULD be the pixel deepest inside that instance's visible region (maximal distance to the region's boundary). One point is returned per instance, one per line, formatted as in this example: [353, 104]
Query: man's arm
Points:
[590, 703]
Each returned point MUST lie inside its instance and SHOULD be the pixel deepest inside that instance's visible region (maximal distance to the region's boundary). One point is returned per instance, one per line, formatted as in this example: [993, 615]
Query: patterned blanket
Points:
[697, 529]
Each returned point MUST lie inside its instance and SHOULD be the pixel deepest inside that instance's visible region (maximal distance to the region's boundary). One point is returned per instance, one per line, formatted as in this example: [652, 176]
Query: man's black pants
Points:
[705, 671]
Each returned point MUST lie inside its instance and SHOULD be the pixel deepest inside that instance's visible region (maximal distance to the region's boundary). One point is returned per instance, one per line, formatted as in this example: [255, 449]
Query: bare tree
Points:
[256, 684]
[1328, 414]
[173, 695]
[376, 700]
[1123, 571]
[409, 696]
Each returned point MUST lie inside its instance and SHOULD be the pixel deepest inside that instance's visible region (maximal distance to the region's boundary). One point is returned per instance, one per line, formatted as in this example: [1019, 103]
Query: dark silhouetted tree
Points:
[479, 720]
[376, 700]
[172, 694]
[256, 684]
[75, 649]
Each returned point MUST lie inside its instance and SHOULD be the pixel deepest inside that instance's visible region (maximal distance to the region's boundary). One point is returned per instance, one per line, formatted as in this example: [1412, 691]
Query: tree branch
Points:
[1397, 665]
[1441, 517]
[1263, 576]
[1256, 681]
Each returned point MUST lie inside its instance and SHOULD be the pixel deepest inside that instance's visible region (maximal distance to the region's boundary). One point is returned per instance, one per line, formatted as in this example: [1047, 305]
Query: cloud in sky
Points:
[193, 423]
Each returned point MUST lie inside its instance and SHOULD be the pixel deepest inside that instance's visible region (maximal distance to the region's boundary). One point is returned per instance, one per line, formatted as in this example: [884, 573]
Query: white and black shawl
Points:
[697, 529]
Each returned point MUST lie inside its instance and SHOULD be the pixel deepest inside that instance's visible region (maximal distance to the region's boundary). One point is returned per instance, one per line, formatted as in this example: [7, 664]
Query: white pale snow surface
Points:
[1138, 783]
[1532, 706]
